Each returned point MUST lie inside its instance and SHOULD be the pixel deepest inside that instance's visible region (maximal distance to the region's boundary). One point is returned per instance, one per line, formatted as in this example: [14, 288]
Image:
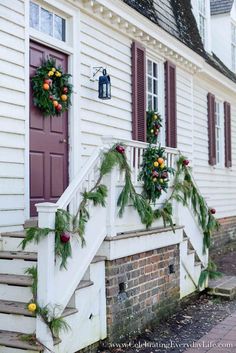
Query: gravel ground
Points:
[196, 318]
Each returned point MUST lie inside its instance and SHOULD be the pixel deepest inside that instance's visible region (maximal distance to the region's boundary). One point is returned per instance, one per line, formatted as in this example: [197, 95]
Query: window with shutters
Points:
[219, 132]
[155, 92]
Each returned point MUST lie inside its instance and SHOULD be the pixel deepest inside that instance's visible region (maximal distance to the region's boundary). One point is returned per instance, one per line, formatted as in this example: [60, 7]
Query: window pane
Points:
[155, 86]
[155, 107]
[34, 15]
[149, 68]
[149, 102]
[149, 84]
[154, 70]
[59, 28]
[46, 21]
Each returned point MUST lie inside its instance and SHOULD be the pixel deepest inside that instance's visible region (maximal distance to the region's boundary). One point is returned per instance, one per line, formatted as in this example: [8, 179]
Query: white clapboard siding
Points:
[12, 114]
[217, 184]
[102, 47]
[184, 112]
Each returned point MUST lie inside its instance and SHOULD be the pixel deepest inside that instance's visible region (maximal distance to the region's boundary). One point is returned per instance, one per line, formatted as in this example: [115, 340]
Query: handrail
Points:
[72, 188]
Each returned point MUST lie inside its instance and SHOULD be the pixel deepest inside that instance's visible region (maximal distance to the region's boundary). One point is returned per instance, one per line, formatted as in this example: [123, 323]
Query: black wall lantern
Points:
[104, 83]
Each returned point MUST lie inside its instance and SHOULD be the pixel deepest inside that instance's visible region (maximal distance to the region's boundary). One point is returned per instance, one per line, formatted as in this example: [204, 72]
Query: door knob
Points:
[63, 141]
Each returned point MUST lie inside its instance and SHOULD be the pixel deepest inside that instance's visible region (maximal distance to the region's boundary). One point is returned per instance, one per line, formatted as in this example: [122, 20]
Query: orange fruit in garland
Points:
[160, 160]
[55, 103]
[64, 97]
[46, 86]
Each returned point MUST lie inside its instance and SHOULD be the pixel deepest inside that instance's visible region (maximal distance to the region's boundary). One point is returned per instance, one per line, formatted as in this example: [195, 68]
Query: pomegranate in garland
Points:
[186, 162]
[65, 237]
[164, 175]
[120, 149]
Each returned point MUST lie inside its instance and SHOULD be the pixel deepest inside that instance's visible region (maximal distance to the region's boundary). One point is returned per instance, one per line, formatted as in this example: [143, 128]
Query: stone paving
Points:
[221, 339]
[224, 286]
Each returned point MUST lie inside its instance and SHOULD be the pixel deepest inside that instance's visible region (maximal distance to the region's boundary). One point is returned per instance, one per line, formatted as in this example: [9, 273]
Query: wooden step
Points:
[84, 284]
[16, 280]
[14, 234]
[15, 340]
[32, 222]
[98, 259]
[20, 255]
[18, 308]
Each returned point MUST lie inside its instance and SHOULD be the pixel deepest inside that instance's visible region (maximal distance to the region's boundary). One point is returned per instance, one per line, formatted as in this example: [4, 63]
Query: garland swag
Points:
[51, 89]
[67, 224]
[184, 191]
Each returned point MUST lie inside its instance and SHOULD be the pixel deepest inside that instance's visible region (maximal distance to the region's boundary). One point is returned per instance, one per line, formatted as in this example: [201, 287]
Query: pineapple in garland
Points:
[154, 123]
[155, 173]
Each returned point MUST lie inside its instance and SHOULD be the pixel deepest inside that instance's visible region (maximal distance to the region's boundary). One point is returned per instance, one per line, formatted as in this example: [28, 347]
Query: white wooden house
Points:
[176, 57]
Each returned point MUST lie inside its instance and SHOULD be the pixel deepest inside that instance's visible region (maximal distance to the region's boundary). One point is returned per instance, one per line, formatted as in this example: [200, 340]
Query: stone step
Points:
[224, 287]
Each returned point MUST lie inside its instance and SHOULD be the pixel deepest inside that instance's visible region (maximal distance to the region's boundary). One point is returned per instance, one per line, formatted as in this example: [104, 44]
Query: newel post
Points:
[46, 267]
[111, 182]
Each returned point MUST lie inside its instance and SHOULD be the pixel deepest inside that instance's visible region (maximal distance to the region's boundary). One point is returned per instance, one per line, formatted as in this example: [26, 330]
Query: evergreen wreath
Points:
[155, 173]
[51, 89]
[154, 123]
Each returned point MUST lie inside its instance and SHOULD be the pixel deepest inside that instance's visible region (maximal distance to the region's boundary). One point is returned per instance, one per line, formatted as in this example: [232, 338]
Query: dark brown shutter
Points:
[211, 129]
[138, 92]
[228, 148]
[170, 98]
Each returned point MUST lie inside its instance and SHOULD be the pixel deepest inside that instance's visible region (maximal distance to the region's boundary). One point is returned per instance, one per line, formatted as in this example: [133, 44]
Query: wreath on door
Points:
[51, 89]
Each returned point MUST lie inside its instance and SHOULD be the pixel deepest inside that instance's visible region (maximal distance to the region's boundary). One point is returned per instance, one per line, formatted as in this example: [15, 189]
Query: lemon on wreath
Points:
[155, 117]
[32, 307]
[162, 166]
[57, 74]
[64, 97]
[50, 73]
[161, 181]
[156, 164]
[53, 69]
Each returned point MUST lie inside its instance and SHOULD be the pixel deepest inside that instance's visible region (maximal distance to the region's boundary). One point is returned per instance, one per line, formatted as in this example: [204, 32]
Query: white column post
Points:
[110, 181]
[45, 267]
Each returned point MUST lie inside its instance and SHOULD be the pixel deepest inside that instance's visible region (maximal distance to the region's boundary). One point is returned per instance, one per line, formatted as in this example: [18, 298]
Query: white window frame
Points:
[233, 46]
[219, 132]
[160, 93]
[202, 20]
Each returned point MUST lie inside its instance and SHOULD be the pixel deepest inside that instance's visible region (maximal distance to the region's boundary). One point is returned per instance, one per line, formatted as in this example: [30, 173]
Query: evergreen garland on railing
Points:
[184, 191]
[67, 224]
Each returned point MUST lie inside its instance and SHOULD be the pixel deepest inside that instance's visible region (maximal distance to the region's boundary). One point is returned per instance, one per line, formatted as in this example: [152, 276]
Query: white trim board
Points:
[123, 246]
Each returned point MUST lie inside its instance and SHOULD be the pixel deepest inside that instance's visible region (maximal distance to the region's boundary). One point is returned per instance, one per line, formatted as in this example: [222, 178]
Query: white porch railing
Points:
[56, 286]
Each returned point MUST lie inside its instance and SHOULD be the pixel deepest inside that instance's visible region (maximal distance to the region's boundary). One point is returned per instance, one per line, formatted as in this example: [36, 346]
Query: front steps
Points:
[190, 268]
[86, 310]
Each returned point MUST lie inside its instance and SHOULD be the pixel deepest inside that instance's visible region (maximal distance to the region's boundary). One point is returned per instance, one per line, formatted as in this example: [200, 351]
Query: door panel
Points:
[48, 140]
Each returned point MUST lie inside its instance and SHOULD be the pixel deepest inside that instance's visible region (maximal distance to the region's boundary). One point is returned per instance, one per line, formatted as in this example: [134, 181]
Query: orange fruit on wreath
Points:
[160, 160]
[64, 97]
[46, 86]
[55, 103]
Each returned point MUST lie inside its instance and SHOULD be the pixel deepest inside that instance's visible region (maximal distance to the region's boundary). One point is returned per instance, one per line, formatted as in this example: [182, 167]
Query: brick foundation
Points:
[140, 291]
[225, 235]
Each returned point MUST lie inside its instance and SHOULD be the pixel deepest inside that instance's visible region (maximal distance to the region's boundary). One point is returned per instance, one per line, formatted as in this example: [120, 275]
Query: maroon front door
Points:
[48, 140]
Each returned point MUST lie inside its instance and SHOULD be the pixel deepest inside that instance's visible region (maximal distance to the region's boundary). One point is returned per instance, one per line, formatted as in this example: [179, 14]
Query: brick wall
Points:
[140, 291]
[226, 233]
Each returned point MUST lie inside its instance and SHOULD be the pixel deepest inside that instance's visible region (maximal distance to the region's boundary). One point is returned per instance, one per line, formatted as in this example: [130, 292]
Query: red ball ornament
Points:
[213, 211]
[65, 90]
[120, 149]
[65, 237]
[59, 107]
[186, 162]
